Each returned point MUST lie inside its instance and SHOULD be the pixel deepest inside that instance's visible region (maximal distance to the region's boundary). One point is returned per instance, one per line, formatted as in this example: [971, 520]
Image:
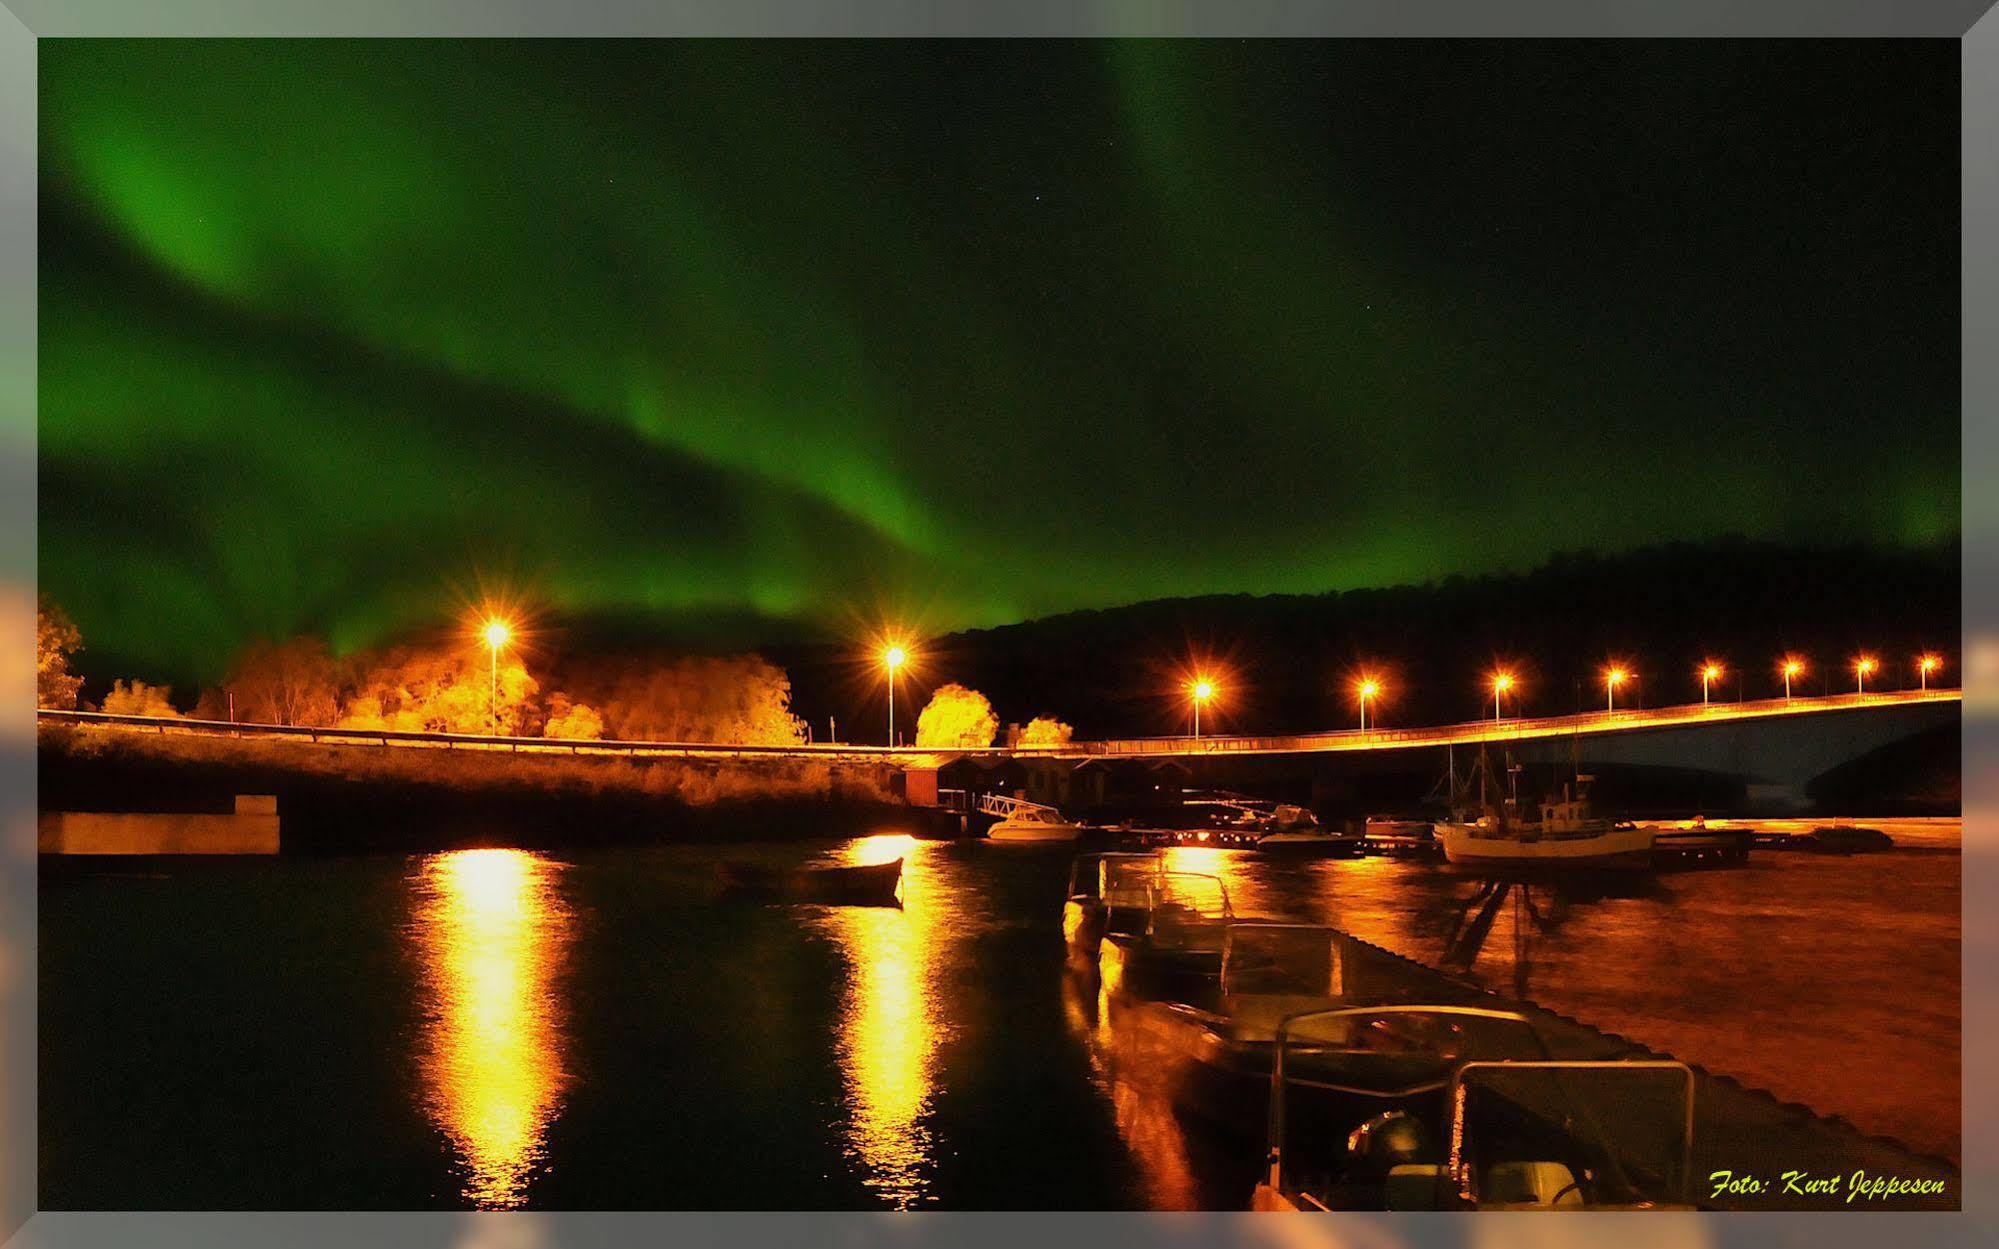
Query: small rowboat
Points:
[875, 884]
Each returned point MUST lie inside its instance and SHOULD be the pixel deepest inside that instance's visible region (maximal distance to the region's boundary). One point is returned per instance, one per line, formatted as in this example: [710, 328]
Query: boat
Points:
[1385, 834]
[1215, 1060]
[1566, 838]
[873, 884]
[1102, 886]
[1296, 831]
[1847, 839]
[1030, 822]
[1702, 843]
[1165, 940]
[1473, 1133]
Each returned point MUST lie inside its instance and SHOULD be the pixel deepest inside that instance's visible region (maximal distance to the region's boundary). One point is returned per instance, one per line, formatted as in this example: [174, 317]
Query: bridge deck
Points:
[1505, 730]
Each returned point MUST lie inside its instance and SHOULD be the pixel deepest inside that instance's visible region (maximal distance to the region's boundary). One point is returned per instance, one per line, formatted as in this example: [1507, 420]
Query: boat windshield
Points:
[1184, 907]
[1097, 875]
[1281, 960]
[1616, 1133]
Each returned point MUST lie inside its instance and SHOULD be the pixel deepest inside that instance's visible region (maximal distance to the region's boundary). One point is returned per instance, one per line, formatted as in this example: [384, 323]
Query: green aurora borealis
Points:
[975, 331]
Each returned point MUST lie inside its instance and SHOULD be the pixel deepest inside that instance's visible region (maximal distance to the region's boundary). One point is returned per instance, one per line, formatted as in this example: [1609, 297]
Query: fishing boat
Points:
[1565, 839]
[1468, 1134]
[1031, 822]
[1106, 886]
[873, 884]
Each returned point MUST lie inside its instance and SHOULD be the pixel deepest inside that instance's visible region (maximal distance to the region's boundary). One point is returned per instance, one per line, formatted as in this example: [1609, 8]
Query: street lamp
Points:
[893, 657]
[1202, 689]
[1501, 682]
[1862, 668]
[1612, 678]
[1710, 673]
[1367, 688]
[496, 634]
[1924, 666]
[1792, 667]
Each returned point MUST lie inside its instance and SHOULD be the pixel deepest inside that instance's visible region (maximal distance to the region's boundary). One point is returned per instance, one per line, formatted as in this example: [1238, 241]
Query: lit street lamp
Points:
[1367, 688]
[1501, 682]
[1792, 667]
[1710, 673]
[1202, 689]
[496, 634]
[1924, 666]
[1612, 678]
[1862, 667]
[893, 657]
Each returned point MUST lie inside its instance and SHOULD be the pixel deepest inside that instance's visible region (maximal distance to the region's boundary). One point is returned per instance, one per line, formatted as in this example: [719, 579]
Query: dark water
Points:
[500, 1028]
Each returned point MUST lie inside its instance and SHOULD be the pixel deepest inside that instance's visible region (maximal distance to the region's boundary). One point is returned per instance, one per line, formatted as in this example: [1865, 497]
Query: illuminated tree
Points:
[1045, 731]
[291, 682]
[740, 699]
[439, 690]
[56, 639]
[957, 716]
[572, 720]
[140, 699]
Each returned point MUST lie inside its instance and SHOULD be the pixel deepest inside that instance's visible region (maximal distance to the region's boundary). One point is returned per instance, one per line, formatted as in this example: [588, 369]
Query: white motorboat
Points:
[1031, 822]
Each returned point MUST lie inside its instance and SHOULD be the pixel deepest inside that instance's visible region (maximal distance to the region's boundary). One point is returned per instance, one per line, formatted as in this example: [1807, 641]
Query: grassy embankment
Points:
[354, 797]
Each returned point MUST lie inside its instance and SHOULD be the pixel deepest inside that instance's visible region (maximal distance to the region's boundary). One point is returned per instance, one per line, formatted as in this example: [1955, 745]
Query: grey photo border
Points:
[23, 22]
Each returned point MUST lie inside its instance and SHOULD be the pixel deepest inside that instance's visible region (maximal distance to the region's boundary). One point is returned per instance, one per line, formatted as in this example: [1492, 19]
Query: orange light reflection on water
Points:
[491, 931]
[890, 1025]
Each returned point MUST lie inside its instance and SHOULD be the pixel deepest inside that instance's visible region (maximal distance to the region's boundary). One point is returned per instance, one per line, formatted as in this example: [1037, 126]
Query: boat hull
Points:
[1612, 850]
[1036, 834]
[871, 885]
[1288, 845]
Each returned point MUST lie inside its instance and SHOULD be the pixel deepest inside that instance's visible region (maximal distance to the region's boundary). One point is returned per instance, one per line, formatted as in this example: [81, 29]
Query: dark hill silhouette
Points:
[1286, 662]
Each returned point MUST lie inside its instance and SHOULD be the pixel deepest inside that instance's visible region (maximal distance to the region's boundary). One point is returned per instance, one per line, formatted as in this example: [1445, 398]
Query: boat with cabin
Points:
[1294, 831]
[1027, 822]
[1566, 838]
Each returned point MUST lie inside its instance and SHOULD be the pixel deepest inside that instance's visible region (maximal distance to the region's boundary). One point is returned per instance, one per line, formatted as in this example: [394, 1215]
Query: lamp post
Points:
[1367, 689]
[1924, 666]
[1710, 673]
[1861, 668]
[496, 634]
[1501, 682]
[1202, 690]
[1792, 667]
[1612, 678]
[892, 658]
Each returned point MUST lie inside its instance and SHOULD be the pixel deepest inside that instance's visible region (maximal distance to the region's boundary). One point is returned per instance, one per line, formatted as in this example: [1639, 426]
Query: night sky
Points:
[762, 339]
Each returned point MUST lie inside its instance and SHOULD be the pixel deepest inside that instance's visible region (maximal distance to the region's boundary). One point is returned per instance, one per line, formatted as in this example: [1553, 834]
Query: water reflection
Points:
[890, 1025]
[1144, 1119]
[492, 931]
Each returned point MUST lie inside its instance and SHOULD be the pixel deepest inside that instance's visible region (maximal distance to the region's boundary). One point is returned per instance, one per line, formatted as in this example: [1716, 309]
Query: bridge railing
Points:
[1504, 729]
[469, 741]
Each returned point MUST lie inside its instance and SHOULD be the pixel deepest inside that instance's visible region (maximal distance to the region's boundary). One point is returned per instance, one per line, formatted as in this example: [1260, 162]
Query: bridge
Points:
[1510, 730]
